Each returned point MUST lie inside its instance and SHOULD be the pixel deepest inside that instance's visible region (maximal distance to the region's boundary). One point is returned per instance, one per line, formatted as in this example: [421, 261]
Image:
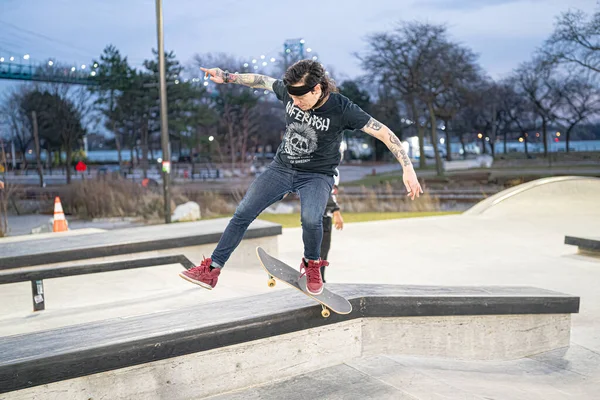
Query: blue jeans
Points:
[270, 187]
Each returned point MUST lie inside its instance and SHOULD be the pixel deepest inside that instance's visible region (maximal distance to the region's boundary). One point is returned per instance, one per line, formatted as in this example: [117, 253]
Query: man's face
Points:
[307, 101]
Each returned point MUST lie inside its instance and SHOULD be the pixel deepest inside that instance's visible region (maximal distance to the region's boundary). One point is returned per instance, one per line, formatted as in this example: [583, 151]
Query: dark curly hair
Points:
[310, 73]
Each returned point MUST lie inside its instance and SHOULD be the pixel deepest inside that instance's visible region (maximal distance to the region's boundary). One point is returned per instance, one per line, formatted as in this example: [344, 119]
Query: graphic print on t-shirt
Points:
[301, 139]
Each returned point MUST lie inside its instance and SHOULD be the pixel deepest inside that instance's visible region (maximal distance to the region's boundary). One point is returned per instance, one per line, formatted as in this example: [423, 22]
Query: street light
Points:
[211, 138]
[479, 135]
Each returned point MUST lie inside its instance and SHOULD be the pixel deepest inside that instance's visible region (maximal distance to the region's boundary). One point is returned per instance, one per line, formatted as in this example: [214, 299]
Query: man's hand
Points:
[338, 221]
[216, 74]
[413, 187]
[1, 185]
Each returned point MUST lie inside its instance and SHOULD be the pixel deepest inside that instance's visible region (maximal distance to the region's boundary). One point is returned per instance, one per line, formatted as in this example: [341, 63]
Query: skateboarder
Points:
[305, 162]
[332, 217]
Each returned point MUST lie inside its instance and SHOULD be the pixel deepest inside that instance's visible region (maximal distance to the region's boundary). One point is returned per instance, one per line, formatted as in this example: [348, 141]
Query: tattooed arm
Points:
[256, 81]
[383, 133]
[253, 80]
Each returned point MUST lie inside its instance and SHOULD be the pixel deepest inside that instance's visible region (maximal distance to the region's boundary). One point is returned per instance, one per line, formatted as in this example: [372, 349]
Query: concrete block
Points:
[215, 371]
[481, 337]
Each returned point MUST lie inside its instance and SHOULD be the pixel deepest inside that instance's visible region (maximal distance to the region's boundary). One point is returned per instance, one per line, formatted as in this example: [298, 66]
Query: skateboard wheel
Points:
[325, 313]
[271, 282]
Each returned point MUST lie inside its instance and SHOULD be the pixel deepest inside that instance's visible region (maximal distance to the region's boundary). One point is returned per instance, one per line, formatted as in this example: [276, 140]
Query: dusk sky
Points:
[503, 32]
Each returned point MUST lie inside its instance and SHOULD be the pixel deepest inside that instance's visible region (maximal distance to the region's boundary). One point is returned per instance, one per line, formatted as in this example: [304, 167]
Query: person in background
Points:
[332, 217]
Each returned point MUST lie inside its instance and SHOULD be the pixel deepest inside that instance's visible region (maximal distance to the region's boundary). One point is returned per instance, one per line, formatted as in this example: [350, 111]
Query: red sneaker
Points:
[202, 274]
[312, 270]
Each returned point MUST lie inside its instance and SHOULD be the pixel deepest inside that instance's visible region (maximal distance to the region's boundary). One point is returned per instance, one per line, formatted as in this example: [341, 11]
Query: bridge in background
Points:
[82, 75]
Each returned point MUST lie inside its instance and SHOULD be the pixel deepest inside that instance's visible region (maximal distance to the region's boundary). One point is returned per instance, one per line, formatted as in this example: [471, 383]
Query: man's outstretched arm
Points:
[383, 133]
[256, 81]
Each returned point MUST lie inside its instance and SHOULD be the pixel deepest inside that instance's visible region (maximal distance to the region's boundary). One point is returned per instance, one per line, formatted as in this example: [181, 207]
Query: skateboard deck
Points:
[279, 270]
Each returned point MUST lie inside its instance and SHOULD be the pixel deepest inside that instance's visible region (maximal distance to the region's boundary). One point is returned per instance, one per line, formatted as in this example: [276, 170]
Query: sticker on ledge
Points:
[38, 299]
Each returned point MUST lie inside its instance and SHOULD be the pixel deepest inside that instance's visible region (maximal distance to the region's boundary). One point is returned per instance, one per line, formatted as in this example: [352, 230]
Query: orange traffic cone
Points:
[60, 223]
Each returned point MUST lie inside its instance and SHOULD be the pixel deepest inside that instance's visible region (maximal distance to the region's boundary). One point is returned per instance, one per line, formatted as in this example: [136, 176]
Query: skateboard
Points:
[277, 269]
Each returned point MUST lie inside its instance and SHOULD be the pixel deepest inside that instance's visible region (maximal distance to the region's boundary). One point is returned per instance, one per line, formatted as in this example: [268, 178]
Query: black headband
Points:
[299, 90]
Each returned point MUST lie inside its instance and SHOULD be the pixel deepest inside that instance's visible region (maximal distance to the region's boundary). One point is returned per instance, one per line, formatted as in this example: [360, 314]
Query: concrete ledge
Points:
[166, 354]
[124, 242]
[584, 244]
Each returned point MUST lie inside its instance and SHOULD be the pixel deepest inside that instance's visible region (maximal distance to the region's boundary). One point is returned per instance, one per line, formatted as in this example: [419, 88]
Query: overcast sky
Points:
[503, 32]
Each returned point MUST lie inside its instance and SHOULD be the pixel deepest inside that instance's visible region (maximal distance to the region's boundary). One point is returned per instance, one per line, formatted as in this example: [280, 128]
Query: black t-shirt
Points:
[312, 138]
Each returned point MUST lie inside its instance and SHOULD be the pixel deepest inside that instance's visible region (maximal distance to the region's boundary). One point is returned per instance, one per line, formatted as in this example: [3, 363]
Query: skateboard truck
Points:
[277, 269]
[324, 312]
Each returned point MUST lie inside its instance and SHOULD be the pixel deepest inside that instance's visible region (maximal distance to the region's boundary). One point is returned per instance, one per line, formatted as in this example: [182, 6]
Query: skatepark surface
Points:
[513, 238]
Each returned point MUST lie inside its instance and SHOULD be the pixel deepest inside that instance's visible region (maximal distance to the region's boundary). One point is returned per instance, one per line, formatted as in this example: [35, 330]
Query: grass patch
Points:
[394, 178]
[293, 220]
[374, 180]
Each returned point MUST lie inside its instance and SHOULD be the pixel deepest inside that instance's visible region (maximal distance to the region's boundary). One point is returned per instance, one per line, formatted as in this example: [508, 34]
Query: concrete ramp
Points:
[195, 352]
[555, 196]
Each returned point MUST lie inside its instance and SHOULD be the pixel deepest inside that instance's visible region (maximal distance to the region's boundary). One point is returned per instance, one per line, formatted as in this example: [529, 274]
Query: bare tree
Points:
[237, 107]
[491, 119]
[509, 103]
[575, 40]
[536, 80]
[579, 101]
[453, 74]
[5, 192]
[239, 123]
[399, 59]
[389, 110]
[422, 66]
[18, 120]
[519, 110]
